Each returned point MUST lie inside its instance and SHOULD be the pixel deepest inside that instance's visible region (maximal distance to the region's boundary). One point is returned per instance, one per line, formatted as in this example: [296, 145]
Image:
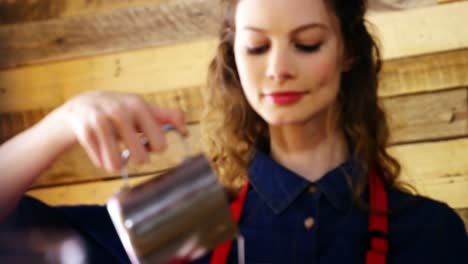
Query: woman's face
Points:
[290, 56]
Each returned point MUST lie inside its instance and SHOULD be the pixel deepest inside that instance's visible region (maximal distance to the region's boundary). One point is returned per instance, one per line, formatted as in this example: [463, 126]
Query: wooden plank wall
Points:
[52, 50]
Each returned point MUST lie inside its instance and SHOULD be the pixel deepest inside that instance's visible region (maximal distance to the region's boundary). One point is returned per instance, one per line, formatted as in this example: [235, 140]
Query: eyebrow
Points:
[293, 32]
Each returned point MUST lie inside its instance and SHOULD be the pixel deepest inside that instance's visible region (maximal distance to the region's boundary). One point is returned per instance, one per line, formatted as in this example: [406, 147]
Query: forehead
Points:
[282, 14]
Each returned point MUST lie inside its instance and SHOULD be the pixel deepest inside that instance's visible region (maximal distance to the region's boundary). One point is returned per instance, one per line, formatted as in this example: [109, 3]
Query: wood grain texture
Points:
[143, 71]
[448, 1]
[394, 5]
[422, 30]
[437, 169]
[427, 116]
[183, 20]
[25, 11]
[429, 72]
[131, 28]
[21, 11]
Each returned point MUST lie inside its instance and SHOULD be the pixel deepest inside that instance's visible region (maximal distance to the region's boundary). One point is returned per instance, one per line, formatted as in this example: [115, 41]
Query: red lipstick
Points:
[285, 98]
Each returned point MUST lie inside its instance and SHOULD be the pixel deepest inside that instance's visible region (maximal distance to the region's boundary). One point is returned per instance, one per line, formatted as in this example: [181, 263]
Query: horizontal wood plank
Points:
[427, 116]
[131, 28]
[395, 5]
[184, 20]
[422, 30]
[430, 72]
[21, 11]
[144, 71]
[437, 169]
[448, 1]
[392, 5]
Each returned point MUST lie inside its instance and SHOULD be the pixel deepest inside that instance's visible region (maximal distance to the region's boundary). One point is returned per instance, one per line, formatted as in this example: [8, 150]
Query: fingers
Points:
[101, 120]
[108, 145]
[125, 127]
[88, 140]
[152, 130]
[170, 116]
[95, 133]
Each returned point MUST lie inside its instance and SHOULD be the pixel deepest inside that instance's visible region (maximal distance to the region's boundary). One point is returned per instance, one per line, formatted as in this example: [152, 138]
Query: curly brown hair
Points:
[232, 129]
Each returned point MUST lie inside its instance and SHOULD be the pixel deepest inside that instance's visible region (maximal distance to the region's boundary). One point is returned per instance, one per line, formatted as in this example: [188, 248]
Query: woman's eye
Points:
[308, 48]
[257, 50]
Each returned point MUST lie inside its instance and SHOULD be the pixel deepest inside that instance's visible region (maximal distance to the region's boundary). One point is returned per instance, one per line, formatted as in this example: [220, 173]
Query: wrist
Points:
[54, 132]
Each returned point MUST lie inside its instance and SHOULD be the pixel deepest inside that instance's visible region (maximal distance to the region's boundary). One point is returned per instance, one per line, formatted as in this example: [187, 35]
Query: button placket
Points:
[309, 221]
[305, 228]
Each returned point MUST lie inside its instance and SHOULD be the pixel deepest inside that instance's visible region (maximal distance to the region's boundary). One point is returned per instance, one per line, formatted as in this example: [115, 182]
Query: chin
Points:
[284, 120]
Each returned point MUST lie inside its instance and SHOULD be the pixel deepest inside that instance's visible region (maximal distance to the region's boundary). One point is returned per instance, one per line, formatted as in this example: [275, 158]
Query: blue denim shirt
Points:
[287, 219]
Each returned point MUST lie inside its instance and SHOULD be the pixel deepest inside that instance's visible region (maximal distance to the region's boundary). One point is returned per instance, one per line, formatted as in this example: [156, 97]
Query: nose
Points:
[280, 68]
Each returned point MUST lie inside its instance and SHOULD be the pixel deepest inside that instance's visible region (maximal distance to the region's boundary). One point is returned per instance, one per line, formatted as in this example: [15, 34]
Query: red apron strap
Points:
[378, 222]
[221, 252]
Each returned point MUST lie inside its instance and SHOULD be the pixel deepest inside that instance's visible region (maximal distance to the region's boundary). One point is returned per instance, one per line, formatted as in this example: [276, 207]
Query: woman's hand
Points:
[100, 120]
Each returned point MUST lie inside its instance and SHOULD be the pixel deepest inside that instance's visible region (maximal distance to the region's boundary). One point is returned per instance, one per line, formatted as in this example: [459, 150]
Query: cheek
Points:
[324, 71]
[249, 73]
[247, 78]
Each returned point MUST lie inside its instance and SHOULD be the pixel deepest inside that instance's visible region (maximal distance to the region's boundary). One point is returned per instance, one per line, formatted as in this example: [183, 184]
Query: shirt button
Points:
[309, 222]
[313, 189]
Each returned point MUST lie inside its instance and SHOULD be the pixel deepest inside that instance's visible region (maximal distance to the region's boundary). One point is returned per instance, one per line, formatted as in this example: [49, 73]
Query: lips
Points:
[285, 98]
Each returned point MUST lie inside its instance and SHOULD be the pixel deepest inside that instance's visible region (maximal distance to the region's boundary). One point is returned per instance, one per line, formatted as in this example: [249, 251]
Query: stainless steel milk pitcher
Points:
[174, 216]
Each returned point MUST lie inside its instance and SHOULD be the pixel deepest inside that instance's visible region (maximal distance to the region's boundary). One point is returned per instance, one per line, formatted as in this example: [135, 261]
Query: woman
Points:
[293, 122]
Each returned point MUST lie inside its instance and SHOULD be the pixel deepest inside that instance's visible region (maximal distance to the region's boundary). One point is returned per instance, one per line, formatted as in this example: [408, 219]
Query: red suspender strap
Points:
[221, 252]
[378, 222]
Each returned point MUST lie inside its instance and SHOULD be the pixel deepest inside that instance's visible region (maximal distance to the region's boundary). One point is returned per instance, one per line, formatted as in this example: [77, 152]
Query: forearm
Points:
[25, 157]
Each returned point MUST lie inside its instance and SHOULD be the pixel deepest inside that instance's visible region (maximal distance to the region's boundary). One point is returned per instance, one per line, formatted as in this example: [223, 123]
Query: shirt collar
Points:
[278, 187]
